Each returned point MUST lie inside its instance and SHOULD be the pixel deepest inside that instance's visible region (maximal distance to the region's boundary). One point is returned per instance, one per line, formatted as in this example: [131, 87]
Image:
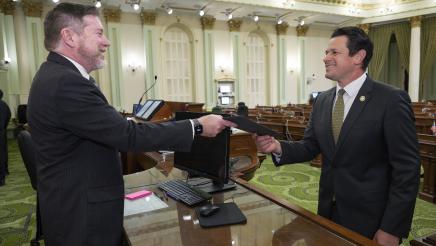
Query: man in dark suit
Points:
[366, 134]
[5, 116]
[78, 135]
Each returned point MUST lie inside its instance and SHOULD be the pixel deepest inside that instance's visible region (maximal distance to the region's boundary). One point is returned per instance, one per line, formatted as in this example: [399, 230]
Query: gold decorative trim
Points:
[7, 7]
[207, 22]
[364, 27]
[282, 28]
[301, 30]
[415, 21]
[112, 15]
[234, 25]
[148, 18]
[32, 9]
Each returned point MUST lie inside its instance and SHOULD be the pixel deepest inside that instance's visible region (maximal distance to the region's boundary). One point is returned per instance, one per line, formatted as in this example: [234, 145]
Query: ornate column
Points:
[148, 21]
[281, 61]
[8, 49]
[207, 23]
[36, 52]
[415, 51]
[364, 27]
[301, 74]
[112, 17]
[237, 49]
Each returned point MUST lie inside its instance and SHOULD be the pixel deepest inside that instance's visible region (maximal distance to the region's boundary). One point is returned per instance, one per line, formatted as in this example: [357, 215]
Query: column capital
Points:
[364, 27]
[32, 9]
[234, 25]
[301, 30]
[282, 28]
[415, 21]
[112, 15]
[7, 7]
[148, 18]
[207, 22]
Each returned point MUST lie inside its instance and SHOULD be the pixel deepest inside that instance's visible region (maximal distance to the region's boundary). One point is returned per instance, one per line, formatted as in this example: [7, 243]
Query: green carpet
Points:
[299, 184]
[296, 183]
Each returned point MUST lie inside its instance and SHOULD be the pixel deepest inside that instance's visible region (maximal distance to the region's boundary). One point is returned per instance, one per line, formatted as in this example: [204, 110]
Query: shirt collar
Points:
[353, 88]
[81, 69]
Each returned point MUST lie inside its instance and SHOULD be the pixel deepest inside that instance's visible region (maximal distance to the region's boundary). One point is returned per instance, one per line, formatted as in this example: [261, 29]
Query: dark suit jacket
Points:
[373, 171]
[77, 135]
[5, 116]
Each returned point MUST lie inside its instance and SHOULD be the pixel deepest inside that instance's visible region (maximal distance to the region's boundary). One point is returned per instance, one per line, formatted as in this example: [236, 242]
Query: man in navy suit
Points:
[366, 134]
[78, 135]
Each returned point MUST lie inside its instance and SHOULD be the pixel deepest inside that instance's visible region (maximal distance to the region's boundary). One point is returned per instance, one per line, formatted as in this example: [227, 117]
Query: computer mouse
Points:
[208, 210]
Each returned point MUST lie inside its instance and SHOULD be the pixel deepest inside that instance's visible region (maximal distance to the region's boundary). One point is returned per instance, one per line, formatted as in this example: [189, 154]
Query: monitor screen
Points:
[209, 157]
[225, 100]
[149, 108]
[225, 88]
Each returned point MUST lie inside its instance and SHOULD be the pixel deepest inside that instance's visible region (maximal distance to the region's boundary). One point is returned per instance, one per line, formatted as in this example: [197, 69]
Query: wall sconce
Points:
[4, 64]
[134, 67]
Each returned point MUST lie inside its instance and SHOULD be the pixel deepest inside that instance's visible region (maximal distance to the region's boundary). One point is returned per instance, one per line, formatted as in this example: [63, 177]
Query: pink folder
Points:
[138, 194]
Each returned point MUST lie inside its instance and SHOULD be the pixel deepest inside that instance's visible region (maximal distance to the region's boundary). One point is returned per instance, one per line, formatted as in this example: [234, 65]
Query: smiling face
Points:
[92, 44]
[339, 65]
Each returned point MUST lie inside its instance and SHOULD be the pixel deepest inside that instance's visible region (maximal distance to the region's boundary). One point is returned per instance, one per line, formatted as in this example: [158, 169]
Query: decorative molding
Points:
[234, 25]
[415, 21]
[32, 9]
[301, 30]
[364, 27]
[7, 7]
[112, 15]
[148, 18]
[207, 22]
[282, 28]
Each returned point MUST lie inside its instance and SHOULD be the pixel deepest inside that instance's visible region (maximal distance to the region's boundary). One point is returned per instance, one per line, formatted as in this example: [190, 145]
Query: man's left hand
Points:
[386, 239]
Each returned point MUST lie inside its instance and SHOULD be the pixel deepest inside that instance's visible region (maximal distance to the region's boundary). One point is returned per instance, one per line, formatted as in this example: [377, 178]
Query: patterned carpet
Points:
[299, 184]
[296, 183]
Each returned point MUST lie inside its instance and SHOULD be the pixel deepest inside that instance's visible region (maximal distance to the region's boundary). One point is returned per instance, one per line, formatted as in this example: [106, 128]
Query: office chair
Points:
[25, 145]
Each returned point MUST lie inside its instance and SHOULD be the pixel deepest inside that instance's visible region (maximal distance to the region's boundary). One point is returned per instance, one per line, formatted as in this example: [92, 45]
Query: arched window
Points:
[177, 61]
[256, 70]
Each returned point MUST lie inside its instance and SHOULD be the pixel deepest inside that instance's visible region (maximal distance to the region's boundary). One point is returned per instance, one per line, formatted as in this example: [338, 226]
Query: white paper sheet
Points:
[142, 205]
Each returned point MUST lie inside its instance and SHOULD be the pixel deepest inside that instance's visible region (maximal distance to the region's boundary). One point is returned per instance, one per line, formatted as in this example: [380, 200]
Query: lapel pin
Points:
[362, 98]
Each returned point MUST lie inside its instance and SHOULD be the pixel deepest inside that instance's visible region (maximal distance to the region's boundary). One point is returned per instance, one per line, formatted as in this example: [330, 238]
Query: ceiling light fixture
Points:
[201, 12]
[55, 1]
[256, 18]
[279, 21]
[98, 3]
[230, 16]
[136, 4]
[169, 10]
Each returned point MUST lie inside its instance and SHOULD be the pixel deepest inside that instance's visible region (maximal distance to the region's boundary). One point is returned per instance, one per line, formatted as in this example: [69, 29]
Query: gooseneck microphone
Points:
[145, 93]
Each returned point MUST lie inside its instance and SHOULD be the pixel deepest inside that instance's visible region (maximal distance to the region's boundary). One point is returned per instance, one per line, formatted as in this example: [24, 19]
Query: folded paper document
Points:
[250, 126]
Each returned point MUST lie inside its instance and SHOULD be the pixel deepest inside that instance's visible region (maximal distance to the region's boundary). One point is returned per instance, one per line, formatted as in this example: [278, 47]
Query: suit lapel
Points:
[329, 103]
[361, 100]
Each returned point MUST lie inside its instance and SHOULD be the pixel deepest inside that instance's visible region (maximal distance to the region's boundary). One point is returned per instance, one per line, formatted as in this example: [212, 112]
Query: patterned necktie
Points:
[338, 115]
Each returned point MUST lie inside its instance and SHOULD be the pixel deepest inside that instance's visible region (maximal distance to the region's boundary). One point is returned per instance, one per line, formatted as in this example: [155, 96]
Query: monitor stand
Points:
[207, 185]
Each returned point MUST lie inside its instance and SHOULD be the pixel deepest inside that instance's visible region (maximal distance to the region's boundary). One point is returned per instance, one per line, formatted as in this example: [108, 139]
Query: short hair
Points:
[63, 15]
[357, 40]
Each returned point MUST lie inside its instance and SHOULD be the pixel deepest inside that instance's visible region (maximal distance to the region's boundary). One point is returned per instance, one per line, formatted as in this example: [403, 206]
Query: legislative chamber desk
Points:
[270, 220]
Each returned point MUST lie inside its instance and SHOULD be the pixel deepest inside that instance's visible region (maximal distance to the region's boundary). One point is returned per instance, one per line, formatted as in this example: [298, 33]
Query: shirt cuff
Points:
[193, 130]
[277, 156]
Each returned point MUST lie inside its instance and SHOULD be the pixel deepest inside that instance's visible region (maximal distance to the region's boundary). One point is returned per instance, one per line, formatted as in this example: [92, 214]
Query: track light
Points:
[201, 12]
[98, 4]
[169, 10]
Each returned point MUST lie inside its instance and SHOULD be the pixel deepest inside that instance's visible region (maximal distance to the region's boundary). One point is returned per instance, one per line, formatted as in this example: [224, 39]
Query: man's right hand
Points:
[213, 124]
[268, 144]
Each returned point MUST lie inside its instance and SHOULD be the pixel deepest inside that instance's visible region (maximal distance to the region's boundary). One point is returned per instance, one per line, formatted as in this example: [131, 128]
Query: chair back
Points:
[27, 151]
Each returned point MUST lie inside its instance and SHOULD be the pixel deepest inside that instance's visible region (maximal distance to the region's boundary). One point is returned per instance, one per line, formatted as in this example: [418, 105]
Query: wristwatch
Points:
[198, 128]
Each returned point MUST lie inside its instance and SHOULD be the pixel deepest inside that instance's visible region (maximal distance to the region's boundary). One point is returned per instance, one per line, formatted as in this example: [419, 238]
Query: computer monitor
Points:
[149, 108]
[208, 158]
[225, 88]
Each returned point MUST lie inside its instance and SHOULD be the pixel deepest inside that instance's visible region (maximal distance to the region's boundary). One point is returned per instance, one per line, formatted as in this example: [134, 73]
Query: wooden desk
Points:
[270, 220]
[427, 150]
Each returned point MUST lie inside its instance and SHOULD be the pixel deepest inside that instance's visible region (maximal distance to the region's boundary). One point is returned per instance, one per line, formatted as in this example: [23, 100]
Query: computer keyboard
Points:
[184, 192]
